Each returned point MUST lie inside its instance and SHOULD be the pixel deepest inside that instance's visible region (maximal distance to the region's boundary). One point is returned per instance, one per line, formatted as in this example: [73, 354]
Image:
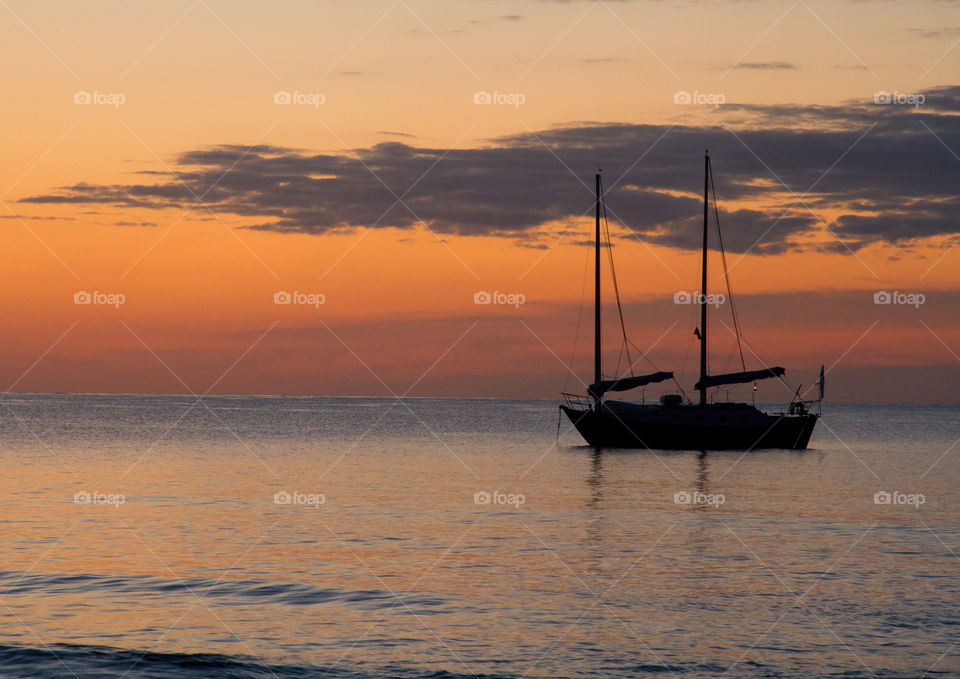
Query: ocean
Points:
[247, 536]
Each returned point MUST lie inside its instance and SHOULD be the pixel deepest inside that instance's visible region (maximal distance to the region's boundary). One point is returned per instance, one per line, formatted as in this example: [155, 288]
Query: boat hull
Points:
[726, 426]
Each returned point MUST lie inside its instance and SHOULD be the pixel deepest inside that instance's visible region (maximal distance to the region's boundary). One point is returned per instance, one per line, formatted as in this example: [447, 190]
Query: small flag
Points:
[696, 331]
[820, 382]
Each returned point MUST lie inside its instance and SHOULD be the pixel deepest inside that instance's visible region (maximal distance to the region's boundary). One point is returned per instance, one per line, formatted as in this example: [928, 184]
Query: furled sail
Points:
[738, 378]
[625, 383]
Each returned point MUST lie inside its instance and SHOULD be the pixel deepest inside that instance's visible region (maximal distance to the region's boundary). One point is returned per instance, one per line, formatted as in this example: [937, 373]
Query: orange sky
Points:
[199, 291]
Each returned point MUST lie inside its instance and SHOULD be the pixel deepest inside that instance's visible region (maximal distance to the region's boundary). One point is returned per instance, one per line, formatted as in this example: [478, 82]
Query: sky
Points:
[315, 198]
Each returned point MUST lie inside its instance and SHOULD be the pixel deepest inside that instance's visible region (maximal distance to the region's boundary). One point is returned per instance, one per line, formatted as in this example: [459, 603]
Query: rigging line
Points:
[726, 362]
[653, 365]
[616, 287]
[559, 419]
[683, 366]
[613, 273]
[576, 334]
[726, 271]
[692, 342]
[646, 358]
[627, 342]
[619, 361]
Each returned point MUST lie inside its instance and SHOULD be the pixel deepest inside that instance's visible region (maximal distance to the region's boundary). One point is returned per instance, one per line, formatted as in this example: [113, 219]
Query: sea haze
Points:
[162, 536]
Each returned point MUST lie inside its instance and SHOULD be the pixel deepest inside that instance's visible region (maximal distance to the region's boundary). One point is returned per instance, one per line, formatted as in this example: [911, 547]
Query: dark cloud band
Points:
[888, 169]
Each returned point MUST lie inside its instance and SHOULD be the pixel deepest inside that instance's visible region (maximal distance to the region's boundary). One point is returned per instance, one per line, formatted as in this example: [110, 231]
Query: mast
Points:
[703, 282]
[597, 377]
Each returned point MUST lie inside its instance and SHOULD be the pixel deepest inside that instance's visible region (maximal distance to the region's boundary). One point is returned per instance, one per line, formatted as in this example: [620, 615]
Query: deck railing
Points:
[577, 401]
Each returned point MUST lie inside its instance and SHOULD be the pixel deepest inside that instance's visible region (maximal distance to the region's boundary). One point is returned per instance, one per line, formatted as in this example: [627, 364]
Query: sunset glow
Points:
[830, 193]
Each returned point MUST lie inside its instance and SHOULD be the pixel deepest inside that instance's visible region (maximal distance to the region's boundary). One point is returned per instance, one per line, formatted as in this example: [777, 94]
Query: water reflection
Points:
[701, 484]
[595, 479]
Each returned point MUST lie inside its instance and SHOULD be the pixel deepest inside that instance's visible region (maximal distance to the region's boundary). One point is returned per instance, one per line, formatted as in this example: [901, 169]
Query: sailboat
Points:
[675, 423]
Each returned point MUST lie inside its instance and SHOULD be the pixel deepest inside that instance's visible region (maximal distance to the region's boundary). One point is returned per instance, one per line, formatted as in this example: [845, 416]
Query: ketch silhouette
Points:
[673, 423]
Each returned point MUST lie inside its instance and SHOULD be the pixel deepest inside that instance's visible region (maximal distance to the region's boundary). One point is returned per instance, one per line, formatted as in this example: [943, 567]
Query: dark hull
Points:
[711, 427]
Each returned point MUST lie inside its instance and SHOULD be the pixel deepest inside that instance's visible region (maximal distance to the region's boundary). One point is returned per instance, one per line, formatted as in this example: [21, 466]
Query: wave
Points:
[13, 583]
[72, 660]
[86, 661]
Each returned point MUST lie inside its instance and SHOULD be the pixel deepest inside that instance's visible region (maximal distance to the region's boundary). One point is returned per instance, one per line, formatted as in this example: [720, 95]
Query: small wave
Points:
[62, 660]
[72, 660]
[240, 592]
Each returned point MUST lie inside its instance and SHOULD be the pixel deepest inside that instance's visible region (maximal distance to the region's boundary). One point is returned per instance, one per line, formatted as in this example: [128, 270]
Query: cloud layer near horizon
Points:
[887, 173]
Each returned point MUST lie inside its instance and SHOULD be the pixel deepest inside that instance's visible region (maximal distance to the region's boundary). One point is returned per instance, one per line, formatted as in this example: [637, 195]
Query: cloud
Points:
[946, 32]
[397, 134]
[750, 233]
[885, 168]
[22, 217]
[603, 60]
[940, 219]
[767, 65]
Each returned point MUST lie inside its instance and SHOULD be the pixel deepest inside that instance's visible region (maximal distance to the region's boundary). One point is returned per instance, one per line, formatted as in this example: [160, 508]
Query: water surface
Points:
[159, 536]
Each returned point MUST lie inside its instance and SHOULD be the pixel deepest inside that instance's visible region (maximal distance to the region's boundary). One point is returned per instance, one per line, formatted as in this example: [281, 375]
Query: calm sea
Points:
[159, 536]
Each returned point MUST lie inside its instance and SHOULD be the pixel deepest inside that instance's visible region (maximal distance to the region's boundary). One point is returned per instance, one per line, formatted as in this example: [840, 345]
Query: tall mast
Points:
[596, 302]
[703, 283]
